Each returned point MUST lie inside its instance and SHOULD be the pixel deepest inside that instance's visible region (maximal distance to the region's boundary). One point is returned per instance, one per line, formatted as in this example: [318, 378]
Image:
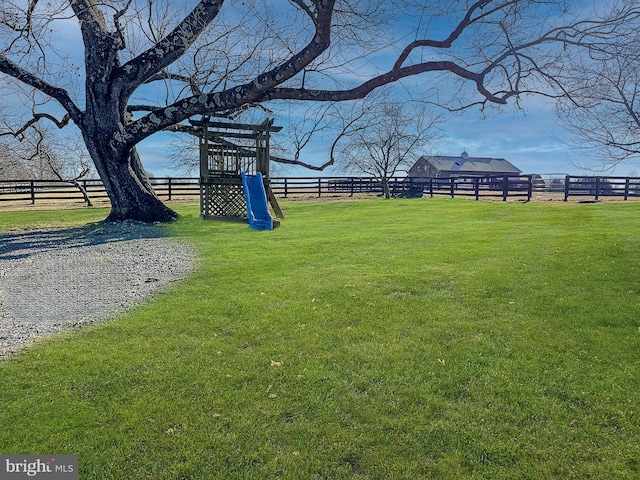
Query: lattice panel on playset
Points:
[224, 200]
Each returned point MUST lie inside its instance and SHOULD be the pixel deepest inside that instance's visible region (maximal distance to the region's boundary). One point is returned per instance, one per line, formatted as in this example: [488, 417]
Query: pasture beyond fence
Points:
[501, 187]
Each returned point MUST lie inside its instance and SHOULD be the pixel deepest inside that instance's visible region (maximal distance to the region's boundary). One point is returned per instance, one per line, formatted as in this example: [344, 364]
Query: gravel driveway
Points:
[53, 280]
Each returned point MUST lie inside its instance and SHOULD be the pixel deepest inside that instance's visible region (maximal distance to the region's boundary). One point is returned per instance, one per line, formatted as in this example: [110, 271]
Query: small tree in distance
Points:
[387, 139]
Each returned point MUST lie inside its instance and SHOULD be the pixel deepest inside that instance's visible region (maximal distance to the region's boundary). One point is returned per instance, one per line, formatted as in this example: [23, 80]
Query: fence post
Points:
[505, 187]
[597, 188]
[529, 187]
[431, 187]
[567, 180]
[33, 192]
[452, 188]
[476, 187]
[286, 187]
[626, 188]
[169, 187]
[352, 186]
[319, 187]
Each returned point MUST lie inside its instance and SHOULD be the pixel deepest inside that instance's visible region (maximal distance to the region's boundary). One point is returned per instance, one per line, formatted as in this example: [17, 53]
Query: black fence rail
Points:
[43, 190]
[170, 187]
[503, 186]
[56, 190]
[500, 186]
[596, 187]
[314, 186]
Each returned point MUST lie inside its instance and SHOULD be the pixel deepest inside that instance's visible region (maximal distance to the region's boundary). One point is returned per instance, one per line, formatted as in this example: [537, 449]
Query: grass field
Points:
[427, 338]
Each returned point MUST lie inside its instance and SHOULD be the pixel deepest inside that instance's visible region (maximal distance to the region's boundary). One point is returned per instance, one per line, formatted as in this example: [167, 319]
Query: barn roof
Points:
[465, 163]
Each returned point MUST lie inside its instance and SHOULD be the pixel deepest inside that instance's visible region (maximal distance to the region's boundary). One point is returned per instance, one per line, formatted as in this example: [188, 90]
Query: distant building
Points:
[462, 166]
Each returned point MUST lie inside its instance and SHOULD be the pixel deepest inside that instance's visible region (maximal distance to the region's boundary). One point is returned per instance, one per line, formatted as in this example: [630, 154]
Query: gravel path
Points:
[53, 280]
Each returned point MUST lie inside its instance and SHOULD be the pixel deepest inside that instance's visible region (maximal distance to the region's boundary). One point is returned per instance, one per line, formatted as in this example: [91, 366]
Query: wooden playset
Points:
[226, 151]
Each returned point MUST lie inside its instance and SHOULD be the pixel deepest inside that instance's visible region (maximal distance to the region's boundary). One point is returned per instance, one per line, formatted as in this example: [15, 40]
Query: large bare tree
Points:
[218, 57]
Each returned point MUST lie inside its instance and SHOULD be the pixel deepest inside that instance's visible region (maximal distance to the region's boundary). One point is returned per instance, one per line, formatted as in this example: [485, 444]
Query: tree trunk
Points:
[128, 187]
[385, 187]
[83, 190]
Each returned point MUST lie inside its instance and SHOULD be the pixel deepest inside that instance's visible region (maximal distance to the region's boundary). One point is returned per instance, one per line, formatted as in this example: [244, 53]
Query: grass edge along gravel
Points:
[403, 339]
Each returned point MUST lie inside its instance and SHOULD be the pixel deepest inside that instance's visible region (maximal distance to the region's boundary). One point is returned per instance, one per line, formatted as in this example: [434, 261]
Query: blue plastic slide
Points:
[256, 198]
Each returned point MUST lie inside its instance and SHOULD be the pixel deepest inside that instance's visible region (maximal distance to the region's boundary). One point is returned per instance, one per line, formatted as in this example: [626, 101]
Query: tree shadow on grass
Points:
[21, 245]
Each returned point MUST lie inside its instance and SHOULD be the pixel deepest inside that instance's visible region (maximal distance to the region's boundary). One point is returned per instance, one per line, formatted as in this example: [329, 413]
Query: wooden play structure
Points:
[226, 150]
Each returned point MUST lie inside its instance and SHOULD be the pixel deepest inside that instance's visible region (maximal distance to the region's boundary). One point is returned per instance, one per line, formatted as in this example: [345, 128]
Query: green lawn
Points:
[426, 338]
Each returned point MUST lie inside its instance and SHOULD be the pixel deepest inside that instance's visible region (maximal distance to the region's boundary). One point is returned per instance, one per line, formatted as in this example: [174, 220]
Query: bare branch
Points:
[453, 36]
[190, 81]
[390, 77]
[305, 8]
[116, 22]
[60, 95]
[138, 70]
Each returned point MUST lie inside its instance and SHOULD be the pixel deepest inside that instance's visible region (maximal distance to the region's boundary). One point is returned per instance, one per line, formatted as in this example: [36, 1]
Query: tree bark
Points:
[128, 187]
